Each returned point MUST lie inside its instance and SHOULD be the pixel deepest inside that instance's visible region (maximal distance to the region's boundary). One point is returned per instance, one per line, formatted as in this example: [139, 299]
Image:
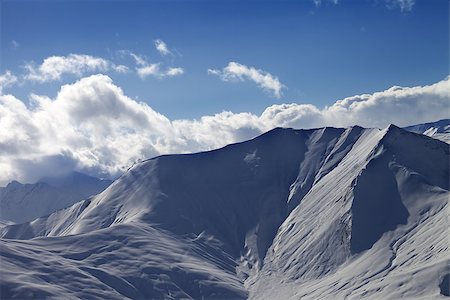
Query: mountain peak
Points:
[13, 184]
[319, 212]
[25, 202]
[438, 130]
[393, 127]
[69, 179]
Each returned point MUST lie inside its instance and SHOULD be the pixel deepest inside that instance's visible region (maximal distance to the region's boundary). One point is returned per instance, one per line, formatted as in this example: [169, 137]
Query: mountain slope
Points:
[25, 202]
[388, 225]
[439, 130]
[315, 213]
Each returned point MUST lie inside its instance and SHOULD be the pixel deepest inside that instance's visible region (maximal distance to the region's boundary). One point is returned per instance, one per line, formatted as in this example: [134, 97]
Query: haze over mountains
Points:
[320, 213]
[25, 202]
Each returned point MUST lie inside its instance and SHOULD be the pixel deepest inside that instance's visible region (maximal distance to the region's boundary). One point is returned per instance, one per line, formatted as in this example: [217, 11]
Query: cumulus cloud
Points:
[91, 122]
[54, 67]
[238, 72]
[147, 70]
[7, 79]
[93, 127]
[162, 47]
[155, 71]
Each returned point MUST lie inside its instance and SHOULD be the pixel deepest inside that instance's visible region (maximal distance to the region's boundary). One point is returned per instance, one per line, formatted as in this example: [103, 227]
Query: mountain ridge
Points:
[25, 202]
[290, 213]
[439, 130]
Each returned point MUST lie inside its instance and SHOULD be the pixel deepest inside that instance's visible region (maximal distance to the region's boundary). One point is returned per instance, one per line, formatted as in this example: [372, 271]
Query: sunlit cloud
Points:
[174, 72]
[238, 72]
[121, 68]
[145, 69]
[93, 127]
[53, 68]
[7, 79]
[162, 48]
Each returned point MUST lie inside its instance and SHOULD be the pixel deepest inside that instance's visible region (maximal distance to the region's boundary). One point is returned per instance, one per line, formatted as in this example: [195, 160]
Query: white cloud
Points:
[54, 67]
[174, 72]
[91, 122]
[151, 69]
[140, 60]
[92, 126]
[236, 71]
[403, 5]
[162, 47]
[155, 71]
[120, 68]
[7, 79]
[145, 69]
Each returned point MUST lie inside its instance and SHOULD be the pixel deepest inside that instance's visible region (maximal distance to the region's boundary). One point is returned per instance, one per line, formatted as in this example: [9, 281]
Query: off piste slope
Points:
[293, 213]
[25, 202]
[380, 228]
[439, 130]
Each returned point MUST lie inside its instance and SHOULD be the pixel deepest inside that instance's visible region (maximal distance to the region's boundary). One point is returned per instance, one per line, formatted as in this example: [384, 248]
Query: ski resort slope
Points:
[316, 214]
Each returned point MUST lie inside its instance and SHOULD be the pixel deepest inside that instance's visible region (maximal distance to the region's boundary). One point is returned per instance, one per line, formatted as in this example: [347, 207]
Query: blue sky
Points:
[319, 52]
[95, 86]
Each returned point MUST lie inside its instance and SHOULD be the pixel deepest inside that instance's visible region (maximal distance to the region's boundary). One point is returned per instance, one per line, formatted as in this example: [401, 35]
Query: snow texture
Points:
[324, 213]
[439, 130]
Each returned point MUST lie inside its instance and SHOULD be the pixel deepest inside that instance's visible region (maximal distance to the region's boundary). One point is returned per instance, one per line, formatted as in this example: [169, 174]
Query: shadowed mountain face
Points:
[292, 213]
[377, 212]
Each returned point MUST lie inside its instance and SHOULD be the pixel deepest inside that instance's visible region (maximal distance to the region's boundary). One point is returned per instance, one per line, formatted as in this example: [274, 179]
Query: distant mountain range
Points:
[439, 130]
[25, 202]
[324, 213]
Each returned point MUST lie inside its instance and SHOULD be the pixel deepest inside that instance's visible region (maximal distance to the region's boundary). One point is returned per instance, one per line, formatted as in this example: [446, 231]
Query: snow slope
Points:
[439, 130]
[25, 202]
[321, 213]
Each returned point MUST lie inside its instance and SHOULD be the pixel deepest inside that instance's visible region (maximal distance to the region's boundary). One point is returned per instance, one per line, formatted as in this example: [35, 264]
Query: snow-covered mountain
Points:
[439, 130]
[317, 214]
[25, 202]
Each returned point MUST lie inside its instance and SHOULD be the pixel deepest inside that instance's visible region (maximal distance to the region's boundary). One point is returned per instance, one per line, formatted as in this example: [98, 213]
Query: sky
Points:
[81, 81]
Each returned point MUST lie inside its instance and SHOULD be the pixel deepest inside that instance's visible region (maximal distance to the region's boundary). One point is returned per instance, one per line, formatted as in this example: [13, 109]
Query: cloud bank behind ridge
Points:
[93, 127]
